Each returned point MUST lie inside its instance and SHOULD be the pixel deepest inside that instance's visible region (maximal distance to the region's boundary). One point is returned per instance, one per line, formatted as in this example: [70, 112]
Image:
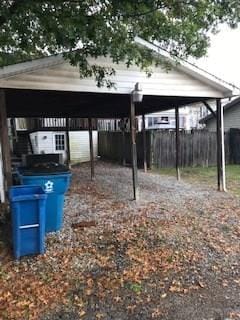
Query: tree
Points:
[83, 28]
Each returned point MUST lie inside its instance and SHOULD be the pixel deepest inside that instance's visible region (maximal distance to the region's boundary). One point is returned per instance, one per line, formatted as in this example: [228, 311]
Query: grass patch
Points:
[207, 176]
[135, 287]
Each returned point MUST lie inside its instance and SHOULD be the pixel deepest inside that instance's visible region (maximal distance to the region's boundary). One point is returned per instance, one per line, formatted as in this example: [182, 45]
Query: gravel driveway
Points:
[174, 254]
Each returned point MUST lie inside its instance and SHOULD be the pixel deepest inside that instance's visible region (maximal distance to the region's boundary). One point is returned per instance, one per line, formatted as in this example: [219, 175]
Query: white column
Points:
[223, 151]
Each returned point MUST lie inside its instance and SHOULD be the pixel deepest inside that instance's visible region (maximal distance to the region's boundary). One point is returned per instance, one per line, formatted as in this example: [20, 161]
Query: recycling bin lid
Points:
[49, 168]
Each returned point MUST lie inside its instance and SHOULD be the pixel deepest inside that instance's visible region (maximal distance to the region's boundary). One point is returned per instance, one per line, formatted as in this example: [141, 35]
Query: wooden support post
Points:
[221, 172]
[123, 128]
[177, 143]
[91, 148]
[68, 142]
[134, 151]
[2, 184]
[6, 153]
[144, 144]
[30, 143]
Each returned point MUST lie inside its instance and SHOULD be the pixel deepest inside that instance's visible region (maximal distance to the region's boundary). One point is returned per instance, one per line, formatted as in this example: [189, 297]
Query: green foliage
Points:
[83, 28]
[135, 287]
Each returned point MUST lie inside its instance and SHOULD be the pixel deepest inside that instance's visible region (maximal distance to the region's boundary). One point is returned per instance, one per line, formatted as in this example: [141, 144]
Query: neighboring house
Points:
[109, 124]
[231, 117]
[165, 120]
[188, 119]
[48, 135]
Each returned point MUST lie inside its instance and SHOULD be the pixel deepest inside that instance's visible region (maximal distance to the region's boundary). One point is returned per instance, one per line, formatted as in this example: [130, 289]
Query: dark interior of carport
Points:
[38, 103]
[46, 103]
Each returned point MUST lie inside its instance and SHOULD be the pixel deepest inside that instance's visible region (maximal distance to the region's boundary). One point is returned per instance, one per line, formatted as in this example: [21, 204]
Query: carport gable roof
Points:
[50, 87]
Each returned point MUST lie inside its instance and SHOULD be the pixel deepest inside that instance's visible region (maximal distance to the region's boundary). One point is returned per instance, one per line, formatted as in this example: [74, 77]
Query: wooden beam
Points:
[221, 172]
[2, 183]
[123, 128]
[177, 143]
[30, 143]
[134, 151]
[68, 142]
[6, 153]
[91, 148]
[144, 144]
[210, 109]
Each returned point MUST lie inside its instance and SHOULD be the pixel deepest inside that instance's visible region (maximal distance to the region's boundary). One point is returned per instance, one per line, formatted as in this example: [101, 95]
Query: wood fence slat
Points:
[197, 148]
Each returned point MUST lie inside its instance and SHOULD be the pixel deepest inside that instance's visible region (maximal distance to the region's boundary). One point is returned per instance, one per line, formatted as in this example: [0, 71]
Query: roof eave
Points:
[29, 66]
[227, 89]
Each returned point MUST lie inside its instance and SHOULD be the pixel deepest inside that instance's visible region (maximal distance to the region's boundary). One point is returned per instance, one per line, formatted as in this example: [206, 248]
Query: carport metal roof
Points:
[50, 87]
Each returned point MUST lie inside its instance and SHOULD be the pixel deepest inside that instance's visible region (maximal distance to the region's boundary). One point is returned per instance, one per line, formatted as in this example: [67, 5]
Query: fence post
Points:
[151, 150]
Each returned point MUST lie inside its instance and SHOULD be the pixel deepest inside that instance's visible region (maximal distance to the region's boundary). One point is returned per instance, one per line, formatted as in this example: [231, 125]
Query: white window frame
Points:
[59, 142]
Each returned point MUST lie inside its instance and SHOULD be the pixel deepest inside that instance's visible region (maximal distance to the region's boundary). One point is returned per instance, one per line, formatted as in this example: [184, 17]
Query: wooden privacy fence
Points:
[111, 147]
[197, 148]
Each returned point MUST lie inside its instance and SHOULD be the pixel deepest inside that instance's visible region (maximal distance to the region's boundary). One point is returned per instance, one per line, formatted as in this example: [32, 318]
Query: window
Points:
[36, 141]
[59, 142]
[164, 120]
[161, 120]
[150, 121]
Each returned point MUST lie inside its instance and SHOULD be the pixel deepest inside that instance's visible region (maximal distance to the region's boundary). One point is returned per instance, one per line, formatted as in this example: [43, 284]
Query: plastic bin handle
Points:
[29, 226]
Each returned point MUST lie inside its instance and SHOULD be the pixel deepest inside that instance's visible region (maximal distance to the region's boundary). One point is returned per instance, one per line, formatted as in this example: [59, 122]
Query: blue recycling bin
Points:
[55, 185]
[28, 205]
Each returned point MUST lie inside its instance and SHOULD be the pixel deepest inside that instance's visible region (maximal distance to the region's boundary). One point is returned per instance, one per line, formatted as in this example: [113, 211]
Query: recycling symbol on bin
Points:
[48, 186]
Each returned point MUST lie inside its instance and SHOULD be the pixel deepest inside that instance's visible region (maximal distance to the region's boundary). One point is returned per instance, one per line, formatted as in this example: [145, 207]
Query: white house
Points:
[52, 137]
[189, 118]
[55, 142]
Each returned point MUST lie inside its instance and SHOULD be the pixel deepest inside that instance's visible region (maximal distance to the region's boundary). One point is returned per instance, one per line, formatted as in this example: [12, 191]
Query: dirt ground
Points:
[175, 254]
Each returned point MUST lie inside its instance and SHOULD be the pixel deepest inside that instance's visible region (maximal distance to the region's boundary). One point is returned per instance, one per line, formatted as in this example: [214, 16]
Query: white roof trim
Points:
[29, 66]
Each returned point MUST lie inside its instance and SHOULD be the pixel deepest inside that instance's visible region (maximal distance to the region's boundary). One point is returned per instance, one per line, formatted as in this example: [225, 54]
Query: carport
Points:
[50, 87]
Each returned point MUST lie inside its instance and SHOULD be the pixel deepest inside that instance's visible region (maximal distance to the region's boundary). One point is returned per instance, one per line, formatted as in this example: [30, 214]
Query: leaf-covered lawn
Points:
[118, 260]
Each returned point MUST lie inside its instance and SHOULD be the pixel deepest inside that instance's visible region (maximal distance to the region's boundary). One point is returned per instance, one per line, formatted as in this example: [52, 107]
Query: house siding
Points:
[43, 142]
[231, 120]
[64, 77]
[79, 145]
